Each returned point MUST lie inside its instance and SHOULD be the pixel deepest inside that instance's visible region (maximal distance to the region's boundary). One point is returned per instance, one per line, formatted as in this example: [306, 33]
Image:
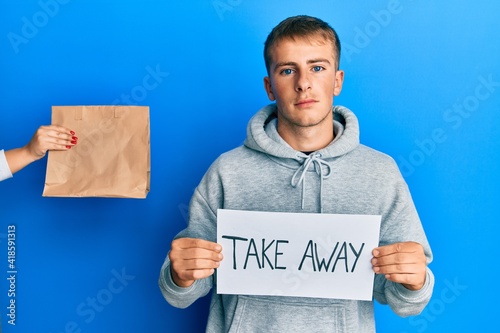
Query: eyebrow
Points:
[294, 64]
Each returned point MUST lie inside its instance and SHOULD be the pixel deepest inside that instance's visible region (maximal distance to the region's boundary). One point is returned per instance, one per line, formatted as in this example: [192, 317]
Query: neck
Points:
[309, 138]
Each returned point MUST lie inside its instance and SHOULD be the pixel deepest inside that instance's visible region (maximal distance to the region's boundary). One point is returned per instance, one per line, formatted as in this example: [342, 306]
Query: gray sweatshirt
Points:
[259, 176]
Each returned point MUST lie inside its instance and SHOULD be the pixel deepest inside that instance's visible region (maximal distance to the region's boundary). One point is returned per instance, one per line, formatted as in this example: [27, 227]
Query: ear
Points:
[269, 88]
[339, 80]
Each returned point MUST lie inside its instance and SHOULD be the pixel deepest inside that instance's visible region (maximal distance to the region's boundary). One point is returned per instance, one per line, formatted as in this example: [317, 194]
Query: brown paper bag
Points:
[111, 158]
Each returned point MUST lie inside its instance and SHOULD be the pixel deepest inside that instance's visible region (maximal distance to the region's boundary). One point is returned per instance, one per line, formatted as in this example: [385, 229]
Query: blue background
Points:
[416, 75]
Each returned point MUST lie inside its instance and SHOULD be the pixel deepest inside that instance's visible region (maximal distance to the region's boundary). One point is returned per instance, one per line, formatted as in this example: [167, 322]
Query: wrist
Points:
[32, 154]
[28, 155]
[178, 281]
[414, 287]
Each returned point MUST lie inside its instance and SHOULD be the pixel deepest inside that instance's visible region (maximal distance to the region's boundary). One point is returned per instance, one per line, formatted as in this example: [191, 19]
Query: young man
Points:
[302, 155]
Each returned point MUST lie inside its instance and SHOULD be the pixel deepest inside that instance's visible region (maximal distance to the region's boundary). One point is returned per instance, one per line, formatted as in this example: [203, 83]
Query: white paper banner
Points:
[297, 254]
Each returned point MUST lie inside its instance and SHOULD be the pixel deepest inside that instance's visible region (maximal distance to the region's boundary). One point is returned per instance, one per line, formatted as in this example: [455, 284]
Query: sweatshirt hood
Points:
[262, 135]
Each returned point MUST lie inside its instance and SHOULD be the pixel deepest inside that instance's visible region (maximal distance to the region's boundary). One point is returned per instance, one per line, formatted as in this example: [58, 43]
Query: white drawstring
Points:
[316, 160]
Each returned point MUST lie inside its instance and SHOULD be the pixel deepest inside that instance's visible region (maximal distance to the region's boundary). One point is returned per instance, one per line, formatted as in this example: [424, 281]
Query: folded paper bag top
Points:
[112, 157]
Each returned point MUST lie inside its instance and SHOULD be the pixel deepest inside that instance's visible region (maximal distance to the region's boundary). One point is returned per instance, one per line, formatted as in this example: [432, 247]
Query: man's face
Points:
[303, 78]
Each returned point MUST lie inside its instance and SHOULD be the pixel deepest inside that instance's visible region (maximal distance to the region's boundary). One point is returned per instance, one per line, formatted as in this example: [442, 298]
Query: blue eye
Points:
[287, 71]
[317, 69]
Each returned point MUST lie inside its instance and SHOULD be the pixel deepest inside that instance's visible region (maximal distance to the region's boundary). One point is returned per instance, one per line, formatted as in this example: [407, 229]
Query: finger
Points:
[195, 264]
[187, 243]
[410, 281]
[60, 144]
[49, 143]
[398, 269]
[403, 247]
[398, 258]
[53, 131]
[58, 135]
[195, 274]
[195, 253]
[58, 128]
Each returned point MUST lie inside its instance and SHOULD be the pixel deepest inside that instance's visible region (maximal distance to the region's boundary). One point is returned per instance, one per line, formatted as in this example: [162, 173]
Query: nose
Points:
[303, 82]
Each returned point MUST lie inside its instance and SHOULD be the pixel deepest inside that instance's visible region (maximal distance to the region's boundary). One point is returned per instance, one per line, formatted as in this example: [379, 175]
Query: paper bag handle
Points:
[117, 113]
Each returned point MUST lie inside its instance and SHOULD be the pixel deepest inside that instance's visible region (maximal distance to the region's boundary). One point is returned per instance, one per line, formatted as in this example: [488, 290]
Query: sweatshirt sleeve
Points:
[404, 302]
[403, 224]
[4, 167]
[202, 224]
[180, 297]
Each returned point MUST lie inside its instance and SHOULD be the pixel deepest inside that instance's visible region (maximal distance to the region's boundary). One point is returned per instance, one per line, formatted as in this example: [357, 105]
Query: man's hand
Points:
[403, 263]
[193, 259]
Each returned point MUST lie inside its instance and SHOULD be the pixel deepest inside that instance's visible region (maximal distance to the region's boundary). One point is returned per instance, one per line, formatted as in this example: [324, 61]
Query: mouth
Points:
[306, 102]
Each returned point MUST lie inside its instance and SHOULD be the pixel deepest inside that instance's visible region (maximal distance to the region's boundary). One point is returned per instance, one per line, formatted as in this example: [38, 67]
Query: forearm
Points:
[18, 158]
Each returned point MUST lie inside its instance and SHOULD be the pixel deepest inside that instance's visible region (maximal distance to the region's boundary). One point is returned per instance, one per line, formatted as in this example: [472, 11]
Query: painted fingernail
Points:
[69, 147]
[74, 138]
[73, 142]
[72, 133]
